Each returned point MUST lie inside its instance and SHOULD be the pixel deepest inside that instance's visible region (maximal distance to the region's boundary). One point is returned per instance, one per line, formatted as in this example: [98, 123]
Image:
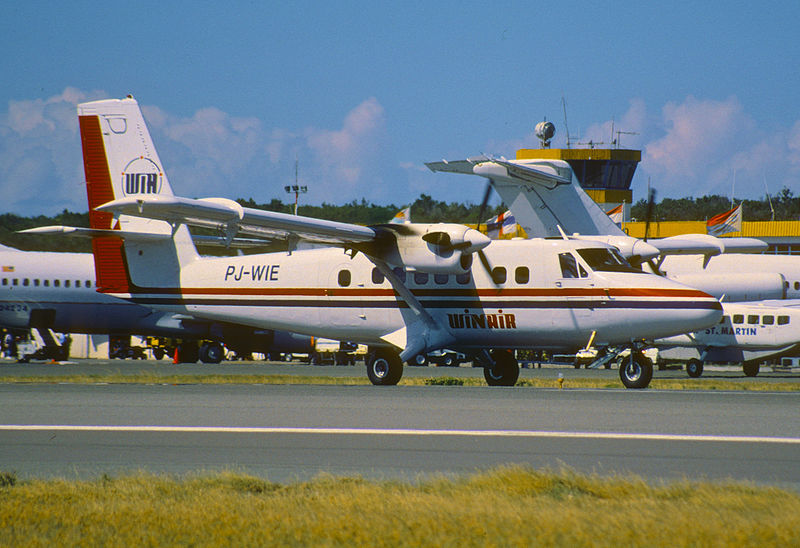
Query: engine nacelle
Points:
[436, 248]
[737, 287]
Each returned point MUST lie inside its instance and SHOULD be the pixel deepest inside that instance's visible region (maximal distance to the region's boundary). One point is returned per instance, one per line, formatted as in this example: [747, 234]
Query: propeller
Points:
[648, 212]
[481, 212]
[484, 203]
[648, 216]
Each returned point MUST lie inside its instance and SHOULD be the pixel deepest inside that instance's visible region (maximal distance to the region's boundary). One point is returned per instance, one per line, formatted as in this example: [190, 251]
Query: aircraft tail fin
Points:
[120, 160]
[542, 194]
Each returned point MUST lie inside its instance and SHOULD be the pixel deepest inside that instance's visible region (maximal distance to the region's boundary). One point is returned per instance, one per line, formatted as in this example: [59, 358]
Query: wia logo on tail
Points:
[141, 176]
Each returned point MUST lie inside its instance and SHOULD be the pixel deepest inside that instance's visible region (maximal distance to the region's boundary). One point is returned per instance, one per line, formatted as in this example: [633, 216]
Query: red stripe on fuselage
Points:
[444, 292]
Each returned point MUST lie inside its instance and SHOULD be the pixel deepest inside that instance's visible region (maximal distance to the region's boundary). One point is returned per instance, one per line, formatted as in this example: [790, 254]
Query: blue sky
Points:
[362, 94]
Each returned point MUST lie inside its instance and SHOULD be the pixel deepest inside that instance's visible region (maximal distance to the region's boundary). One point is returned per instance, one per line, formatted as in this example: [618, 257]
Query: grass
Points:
[508, 506]
[586, 382]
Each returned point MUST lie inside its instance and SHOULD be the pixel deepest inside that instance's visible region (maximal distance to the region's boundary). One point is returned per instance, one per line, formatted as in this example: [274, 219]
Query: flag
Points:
[617, 214]
[8, 269]
[402, 217]
[503, 224]
[730, 221]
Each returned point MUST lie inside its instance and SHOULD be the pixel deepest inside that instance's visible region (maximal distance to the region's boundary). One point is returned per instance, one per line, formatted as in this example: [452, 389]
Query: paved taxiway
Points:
[287, 432]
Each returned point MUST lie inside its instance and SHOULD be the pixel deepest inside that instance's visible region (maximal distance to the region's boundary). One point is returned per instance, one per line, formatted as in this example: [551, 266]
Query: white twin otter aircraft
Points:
[403, 289]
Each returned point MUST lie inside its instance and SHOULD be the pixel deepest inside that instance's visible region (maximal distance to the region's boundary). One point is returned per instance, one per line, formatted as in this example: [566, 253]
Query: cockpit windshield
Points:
[606, 260]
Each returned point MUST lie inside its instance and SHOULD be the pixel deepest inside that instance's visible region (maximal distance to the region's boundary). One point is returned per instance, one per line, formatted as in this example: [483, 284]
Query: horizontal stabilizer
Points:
[83, 232]
[543, 195]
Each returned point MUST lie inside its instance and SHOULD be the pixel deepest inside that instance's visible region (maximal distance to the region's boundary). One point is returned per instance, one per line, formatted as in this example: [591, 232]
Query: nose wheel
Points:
[694, 368]
[636, 370]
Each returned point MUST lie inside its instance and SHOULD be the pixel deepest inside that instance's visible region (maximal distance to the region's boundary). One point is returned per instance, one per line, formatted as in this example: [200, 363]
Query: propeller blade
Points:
[648, 215]
[484, 203]
[441, 239]
[486, 265]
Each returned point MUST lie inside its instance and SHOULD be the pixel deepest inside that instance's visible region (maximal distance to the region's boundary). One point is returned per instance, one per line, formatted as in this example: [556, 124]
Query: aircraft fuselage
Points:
[328, 292]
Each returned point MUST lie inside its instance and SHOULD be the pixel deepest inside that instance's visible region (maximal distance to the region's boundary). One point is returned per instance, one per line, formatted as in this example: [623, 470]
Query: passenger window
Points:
[463, 279]
[420, 278]
[344, 278]
[400, 273]
[768, 320]
[15, 282]
[796, 286]
[77, 283]
[87, 284]
[377, 276]
[522, 275]
[5, 281]
[25, 282]
[783, 320]
[738, 318]
[66, 283]
[56, 283]
[47, 283]
[440, 279]
[499, 275]
[752, 320]
[36, 282]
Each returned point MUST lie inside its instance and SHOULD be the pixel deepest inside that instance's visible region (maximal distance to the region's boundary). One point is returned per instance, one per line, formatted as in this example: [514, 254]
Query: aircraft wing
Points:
[705, 244]
[231, 219]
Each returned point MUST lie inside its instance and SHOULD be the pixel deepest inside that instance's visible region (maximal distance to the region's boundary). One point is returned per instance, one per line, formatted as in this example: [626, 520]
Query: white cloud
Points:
[793, 144]
[40, 166]
[344, 154]
[691, 148]
[627, 129]
[705, 144]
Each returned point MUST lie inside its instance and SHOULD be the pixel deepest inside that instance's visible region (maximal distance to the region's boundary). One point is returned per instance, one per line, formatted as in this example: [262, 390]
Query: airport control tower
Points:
[604, 173]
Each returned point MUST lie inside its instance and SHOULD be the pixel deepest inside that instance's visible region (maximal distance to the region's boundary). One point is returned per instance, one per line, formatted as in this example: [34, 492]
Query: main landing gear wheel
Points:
[211, 353]
[504, 371]
[636, 371]
[751, 369]
[384, 368]
[694, 368]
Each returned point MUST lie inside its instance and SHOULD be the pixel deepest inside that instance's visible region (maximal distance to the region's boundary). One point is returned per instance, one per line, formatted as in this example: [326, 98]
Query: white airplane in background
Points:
[547, 201]
[57, 291]
[403, 289]
[748, 333]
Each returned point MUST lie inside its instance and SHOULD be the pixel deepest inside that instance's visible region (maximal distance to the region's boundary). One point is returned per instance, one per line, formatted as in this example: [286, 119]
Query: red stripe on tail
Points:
[109, 255]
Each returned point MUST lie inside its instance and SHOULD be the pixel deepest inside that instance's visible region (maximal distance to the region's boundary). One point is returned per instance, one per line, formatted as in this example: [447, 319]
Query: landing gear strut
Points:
[636, 370]
[502, 368]
[384, 367]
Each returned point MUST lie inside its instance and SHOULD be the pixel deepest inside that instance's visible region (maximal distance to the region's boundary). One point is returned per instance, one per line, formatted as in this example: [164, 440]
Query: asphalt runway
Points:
[294, 432]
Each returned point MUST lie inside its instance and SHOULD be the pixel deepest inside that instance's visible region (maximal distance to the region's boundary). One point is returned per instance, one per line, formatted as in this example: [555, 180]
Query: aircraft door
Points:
[574, 282]
[344, 292]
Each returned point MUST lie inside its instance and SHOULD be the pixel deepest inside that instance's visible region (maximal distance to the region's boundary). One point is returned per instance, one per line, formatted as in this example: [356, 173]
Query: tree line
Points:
[423, 210]
[782, 207]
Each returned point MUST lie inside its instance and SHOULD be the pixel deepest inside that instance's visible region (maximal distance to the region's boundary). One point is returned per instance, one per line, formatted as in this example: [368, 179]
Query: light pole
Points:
[295, 188]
